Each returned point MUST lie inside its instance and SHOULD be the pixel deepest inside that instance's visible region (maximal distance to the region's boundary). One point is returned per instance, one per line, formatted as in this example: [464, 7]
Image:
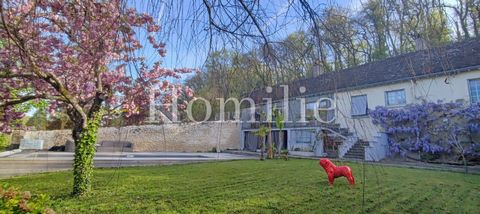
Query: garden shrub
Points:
[214, 149]
[14, 201]
[430, 156]
[284, 153]
[5, 141]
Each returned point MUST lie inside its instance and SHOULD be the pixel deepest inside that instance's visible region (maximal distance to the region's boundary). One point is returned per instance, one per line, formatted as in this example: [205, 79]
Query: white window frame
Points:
[393, 105]
[330, 114]
[471, 96]
[315, 108]
[366, 106]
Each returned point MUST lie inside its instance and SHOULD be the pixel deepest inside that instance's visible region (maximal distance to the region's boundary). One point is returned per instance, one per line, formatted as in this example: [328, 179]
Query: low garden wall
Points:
[181, 137]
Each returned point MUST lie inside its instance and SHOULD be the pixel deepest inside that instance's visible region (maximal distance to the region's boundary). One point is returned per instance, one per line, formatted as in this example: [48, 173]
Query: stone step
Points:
[355, 153]
[354, 157]
[114, 149]
[115, 146]
[357, 148]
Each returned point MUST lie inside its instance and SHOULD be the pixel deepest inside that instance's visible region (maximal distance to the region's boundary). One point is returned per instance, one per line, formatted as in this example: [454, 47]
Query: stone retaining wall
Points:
[183, 137]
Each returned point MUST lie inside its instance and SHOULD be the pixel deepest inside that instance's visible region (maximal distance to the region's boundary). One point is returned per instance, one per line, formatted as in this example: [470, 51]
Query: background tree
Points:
[226, 74]
[38, 120]
[59, 121]
[5, 141]
[264, 46]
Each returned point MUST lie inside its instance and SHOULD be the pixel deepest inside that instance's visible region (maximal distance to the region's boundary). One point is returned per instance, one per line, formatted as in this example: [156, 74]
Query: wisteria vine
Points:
[431, 128]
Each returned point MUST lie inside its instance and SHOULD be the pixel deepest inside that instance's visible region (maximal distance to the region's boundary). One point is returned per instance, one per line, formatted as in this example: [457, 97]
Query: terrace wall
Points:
[182, 137]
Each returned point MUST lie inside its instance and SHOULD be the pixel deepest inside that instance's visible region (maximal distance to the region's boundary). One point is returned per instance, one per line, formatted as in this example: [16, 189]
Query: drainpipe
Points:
[414, 90]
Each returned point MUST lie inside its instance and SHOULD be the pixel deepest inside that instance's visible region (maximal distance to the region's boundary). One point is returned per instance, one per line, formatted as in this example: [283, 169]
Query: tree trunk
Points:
[262, 148]
[280, 143]
[85, 139]
[270, 144]
[465, 165]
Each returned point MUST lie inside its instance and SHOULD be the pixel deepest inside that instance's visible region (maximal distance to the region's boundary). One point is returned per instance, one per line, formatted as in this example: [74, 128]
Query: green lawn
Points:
[252, 186]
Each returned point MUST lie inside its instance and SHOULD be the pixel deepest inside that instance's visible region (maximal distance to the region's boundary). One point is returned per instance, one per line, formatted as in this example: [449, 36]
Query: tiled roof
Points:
[456, 57]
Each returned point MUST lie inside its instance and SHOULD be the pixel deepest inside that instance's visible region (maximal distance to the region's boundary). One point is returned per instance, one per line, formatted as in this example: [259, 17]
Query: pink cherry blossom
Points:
[72, 53]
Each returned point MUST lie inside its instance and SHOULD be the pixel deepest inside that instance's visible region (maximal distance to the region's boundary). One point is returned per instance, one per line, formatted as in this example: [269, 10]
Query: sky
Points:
[185, 28]
[188, 45]
[189, 48]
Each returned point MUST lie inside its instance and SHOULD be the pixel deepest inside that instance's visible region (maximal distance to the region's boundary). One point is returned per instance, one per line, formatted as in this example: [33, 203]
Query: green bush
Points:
[214, 149]
[5, 141]
[429, 156]
[14, 201]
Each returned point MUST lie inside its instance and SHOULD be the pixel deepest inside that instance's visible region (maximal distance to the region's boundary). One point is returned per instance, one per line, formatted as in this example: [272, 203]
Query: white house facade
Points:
[449, 74]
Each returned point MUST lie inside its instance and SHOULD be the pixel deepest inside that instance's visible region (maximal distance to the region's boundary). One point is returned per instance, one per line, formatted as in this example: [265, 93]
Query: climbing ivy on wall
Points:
[84, 153]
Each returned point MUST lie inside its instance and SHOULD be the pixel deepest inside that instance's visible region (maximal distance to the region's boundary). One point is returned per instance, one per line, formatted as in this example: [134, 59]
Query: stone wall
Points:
[182, 137]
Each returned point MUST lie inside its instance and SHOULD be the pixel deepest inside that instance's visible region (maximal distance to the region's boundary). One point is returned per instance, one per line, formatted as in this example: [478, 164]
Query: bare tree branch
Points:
[24, 99]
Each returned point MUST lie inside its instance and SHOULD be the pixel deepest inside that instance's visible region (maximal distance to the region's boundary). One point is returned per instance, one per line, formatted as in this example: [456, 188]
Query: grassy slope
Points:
[252, 186]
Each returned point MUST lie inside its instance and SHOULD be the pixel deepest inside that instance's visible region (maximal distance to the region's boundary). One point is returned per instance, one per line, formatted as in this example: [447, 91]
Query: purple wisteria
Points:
[432, 128]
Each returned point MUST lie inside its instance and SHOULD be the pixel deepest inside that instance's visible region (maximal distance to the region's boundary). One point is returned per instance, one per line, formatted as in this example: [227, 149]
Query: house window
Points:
[474, 88]
[327, 115]
[359, 105]
[303, 141]
[323, 113]
[310, 109]
[395, 98]
[278, 107]
[303, 137]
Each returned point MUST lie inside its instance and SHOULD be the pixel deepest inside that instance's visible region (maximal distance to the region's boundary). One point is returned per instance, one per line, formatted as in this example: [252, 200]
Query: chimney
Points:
[420, 43]
[317, 69]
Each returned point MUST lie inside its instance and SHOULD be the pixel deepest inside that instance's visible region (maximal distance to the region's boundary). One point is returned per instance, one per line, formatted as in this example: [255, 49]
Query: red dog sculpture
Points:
[336, 171]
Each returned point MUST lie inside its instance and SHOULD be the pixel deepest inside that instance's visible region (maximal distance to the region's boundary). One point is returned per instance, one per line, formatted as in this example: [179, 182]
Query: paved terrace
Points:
[28, 162]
